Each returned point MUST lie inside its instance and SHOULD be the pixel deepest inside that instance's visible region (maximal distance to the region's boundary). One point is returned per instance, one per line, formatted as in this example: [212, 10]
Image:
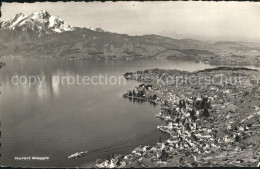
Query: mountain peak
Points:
[38, 22]
[17, 16]
[43, 11]
[42, 14]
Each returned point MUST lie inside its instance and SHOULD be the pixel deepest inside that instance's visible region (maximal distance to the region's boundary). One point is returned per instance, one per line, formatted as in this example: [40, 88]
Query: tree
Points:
[237, 138]
[205, 113]
[134, 94]
[164, 155]
[154, 97]
[130, 93]
[192, 113]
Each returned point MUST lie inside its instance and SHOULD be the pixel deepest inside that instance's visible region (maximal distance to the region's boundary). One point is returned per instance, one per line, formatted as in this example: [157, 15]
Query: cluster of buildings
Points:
[208, 125]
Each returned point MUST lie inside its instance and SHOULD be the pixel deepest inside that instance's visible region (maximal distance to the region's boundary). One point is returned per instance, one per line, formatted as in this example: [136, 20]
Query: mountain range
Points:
[38, 22]
[43, 35]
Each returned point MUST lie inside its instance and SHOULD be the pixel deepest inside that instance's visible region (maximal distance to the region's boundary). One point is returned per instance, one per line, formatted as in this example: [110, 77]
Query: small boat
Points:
[78, 154]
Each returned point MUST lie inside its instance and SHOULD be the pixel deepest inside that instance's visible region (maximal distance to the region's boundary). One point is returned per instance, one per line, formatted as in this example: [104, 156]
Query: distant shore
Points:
[214, 61]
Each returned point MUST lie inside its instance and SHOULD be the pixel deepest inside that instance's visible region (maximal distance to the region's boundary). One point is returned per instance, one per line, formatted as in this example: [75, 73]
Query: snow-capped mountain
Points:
[41, 34]
[38, 22]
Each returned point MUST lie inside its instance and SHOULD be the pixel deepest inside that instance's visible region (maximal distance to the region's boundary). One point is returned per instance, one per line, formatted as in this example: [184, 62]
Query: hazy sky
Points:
[201, 20]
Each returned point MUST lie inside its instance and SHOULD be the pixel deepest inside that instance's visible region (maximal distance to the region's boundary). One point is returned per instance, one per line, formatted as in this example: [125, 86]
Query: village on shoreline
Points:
[209, 124]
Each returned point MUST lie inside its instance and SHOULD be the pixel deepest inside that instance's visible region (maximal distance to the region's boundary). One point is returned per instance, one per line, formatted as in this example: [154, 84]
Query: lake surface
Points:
[56, 120]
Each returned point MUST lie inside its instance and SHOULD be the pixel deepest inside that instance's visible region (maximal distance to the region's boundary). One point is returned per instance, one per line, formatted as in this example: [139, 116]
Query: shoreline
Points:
[216, 63]
[202, 121]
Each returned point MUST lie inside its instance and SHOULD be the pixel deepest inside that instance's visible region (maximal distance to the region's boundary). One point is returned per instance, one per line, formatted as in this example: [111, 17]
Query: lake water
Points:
[56, 120]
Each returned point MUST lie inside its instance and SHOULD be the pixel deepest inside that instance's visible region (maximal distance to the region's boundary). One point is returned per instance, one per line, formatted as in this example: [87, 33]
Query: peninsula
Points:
[212, 117]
